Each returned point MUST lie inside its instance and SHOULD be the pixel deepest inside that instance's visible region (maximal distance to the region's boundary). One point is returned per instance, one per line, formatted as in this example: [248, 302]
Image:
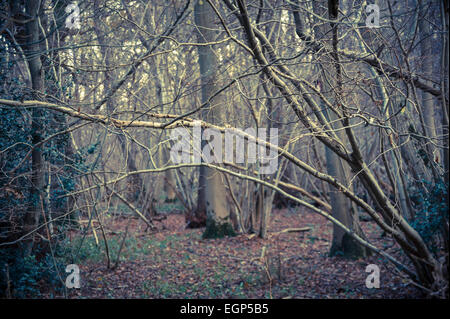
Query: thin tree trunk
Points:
[32, 53]
[135, 184]
[342, 208]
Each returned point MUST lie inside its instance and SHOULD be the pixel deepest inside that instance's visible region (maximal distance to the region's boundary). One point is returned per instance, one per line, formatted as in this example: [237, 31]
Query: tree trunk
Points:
[342, 208]
[31, 48]
[162, 151]
[428, 104]
[212, 193]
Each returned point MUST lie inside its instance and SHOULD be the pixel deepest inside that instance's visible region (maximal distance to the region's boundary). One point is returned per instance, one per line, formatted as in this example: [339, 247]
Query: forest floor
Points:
[174, 262]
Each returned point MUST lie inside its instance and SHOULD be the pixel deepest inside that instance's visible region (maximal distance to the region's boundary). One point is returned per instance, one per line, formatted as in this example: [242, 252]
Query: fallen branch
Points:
[292, 230]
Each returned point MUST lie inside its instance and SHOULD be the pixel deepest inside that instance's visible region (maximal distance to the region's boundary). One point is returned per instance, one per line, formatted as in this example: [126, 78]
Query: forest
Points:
[224, 149]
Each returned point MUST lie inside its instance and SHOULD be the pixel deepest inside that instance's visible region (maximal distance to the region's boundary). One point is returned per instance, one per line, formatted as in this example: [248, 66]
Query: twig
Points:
[292, 230]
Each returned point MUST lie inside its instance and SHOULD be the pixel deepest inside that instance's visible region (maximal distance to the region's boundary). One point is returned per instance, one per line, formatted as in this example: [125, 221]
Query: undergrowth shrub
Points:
[431, 213]
[30, 276]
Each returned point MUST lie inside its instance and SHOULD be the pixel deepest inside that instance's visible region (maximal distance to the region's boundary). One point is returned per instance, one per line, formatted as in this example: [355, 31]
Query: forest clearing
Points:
[176, 262]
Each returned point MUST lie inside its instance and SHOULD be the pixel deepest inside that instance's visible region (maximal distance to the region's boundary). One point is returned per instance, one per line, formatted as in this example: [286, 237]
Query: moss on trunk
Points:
[349, 248]
[218, 230]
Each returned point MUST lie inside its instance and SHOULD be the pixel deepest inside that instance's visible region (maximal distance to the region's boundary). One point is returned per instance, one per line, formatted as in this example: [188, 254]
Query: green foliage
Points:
[170, 207]
[28, 276]
[80, 250]
[432, 210]
[15, 136]
[221, 285]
